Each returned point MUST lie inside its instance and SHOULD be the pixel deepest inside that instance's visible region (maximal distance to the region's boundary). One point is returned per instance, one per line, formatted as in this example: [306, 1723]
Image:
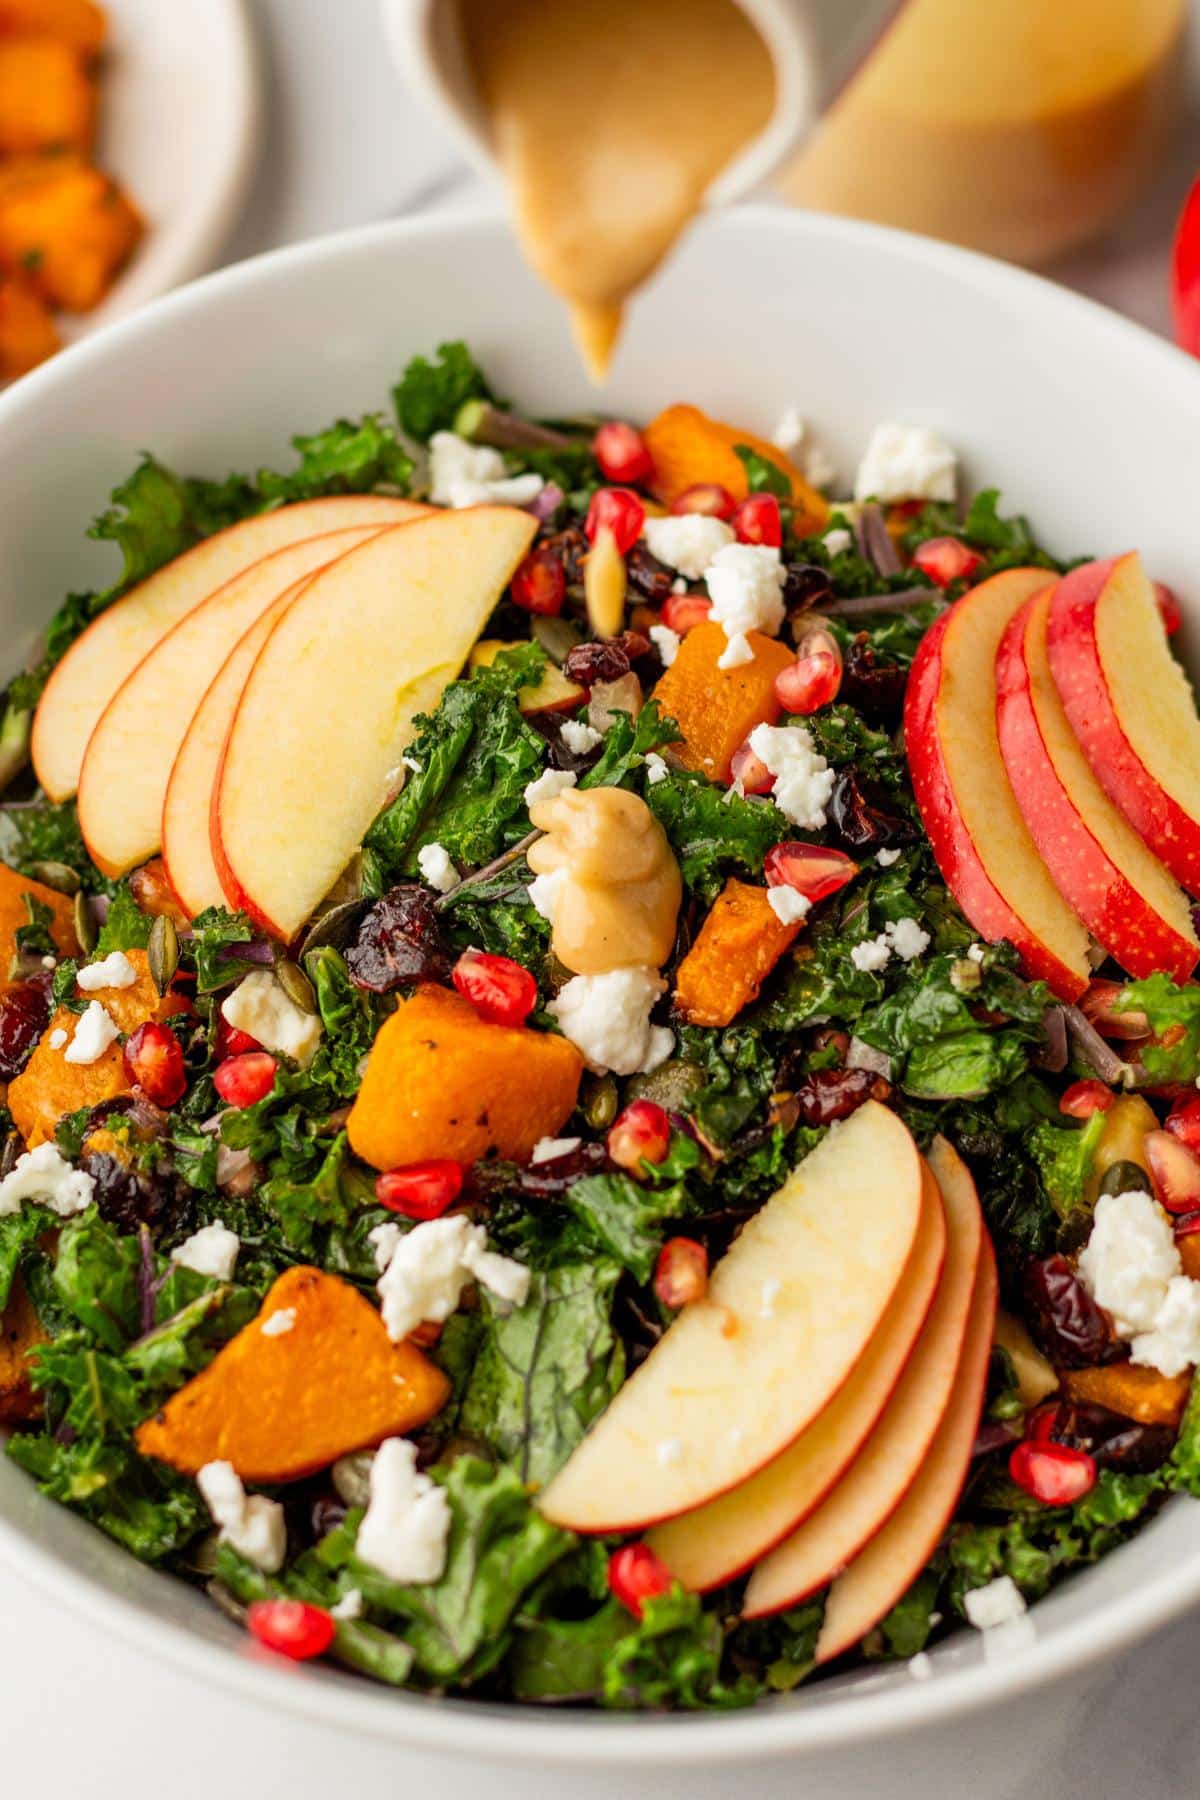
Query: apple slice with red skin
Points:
[328, 708]
[129, 756]
[97, 663]
[790, 1309]
[892, 1457]
[970, 813]
[1130, 705]
[710, 1546]
[1100, 865]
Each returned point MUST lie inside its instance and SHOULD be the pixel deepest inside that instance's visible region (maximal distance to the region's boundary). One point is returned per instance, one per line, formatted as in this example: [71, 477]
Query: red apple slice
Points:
[710, 1546]
[114, 644]
[1100, 865]
[893, 1455]
[329, 705]
[790, 1309]
[1130, 705]
[129, 756]
[979, 837]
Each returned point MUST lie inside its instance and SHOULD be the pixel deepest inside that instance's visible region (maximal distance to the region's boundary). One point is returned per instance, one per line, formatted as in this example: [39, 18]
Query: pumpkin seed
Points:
[86, 928]
[558, 637]
[599, 1102]
[163, 952]
[336, 927]
[296, 985]
[1126, 1178]
[672, 1085]
[56, 875]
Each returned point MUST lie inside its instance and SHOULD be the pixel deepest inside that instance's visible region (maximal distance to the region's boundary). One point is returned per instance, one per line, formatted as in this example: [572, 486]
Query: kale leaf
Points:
[125, 927]
[711, 832]
[428, 395]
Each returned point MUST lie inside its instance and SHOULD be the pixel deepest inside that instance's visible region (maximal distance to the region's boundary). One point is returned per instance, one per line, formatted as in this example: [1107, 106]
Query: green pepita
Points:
[56, 875]
[86, 928]
[296, 985]
[163, 952]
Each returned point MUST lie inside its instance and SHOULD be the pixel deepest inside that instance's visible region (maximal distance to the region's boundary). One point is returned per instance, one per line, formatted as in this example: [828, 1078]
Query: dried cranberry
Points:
[595, 661]
[647, 576]
[1115, 1441]
[398, 942]
[129, 1197]
[1064, 1319]
[24, 1015]
[806, 585]
[570, 547]
[542, 1180]
[859, 814]
[830, 1094]
[874, 687]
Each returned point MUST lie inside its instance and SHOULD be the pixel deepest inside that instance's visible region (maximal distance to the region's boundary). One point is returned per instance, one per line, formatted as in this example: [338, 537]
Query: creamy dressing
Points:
[610, 882]
[610, 124]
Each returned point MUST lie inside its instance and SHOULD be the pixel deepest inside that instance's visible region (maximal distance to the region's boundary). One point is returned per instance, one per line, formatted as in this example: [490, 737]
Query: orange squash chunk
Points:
[77, 22]
[282, 1406]
[14, 914]
[688, 447]
[47, 99]
[1128, 1388]
[20, 1333]
[49, 1086]
[717, 709]
[73, 233]
[27, 332]
[739, 944]
[441, 1081]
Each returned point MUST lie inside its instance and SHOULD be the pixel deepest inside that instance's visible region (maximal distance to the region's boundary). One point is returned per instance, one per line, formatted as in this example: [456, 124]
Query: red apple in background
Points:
[1185, 274]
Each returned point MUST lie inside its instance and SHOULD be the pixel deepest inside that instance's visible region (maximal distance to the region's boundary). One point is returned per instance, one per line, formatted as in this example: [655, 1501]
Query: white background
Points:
[83, 1715]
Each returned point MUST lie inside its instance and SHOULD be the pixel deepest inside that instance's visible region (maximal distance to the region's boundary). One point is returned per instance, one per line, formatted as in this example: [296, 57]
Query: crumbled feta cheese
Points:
[746, 582]
[213, 1250]
[919, 1666]
[1129, 1261]
[465, 474]
[547, 1148]
[687, 542]
[1174, 1343]
[58, 1038]
[350, 1606]
[874, 954]
[1013, 1638]
[789, 432]
[95, 1030]
[351, 1476]
[411, 764]
[907, 938]
[608, 1018]
[866, 1056]
[976, 953]
[788, 906]
[837, 540]
[433, 860]
[49, 962]
[999, 1602]
[544, 890]
[580, 737]
[260, 1007]
[906, 462]
[666, 642]
[668, 1451]
[280, 1322]
[791, 435]
[114, 971]
[44, 1176]
[656, 768]
[254, 1525]
[549, 784]
[885, 858]
[405, 1528]
[679, 585]
[803, 779]
[425, 1271]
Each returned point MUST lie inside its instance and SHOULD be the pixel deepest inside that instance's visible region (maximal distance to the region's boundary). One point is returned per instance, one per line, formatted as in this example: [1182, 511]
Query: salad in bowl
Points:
[600, 1054]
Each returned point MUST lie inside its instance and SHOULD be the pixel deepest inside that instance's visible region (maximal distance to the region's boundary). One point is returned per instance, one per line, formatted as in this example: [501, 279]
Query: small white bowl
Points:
[1085, 421]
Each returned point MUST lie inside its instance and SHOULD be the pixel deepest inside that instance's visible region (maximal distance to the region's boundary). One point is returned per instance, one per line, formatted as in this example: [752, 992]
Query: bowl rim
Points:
[511, 1733]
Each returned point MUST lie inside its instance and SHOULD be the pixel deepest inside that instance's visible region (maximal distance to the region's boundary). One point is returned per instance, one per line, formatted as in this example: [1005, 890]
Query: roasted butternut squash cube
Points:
[27, 332]
[14, 913]
[441, 1081]
[688, 447]
[47, 97]
[77, 22]
[738, 945]
[20, 1333]
[72, 234]
[280, 1405]
[1128, 1388]
[717, 709]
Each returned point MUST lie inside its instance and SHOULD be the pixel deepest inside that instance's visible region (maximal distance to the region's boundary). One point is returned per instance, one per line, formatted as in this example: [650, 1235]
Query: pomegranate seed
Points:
[946, 560]
[1169, 607]
[681, 1272]
[244, 1080]
[291, 1627]
[809, 683]
[683, 611]
[499, 989]
[758, 521]
[24, 1015]
[1055, 1474]
[621, 451]
[706, 497]
[231, 1041]
[1185, 274]
[750, 772]
[621, 511]
[811, 869]
[642, 1133]
[1098, 1006]
[636, 1575]
[540, 583]
[1183, 1122]
[1083, 1098]
[154, 1062]
[421, 1190]
[1174, 1170]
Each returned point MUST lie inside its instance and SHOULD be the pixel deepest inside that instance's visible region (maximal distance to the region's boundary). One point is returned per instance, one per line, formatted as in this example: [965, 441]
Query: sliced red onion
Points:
[237, 1171]
[147, 1285]
[862, 604]
[875, 540]
[865, 1056]
[994, 1434]
[1096, 1053]
[98, 905]
[543, 506]
[1052, 1056]
[256, 952]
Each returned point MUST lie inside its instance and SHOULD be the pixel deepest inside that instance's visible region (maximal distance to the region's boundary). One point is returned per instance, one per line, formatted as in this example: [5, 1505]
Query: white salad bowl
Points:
[1084, 421]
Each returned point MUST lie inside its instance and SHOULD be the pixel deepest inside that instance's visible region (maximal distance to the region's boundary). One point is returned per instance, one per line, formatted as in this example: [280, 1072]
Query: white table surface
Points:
[343, 146]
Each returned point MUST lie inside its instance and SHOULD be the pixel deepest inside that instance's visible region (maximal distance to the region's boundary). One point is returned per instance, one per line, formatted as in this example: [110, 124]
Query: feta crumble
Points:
[792, 436]
[579, 736]
[465, 474]
[351, 1477]
[872, 955]
[549, 785]
[547, 1148]
[999, 1602]
[919, 1666]
[608, 1018]
[1129, 1261]
[838, 540]
[252, 1523]
[436, 868]
[544, 890]
[803, 779]
[976, 953]
[656, 768]
[259, 1006]
[406, 1526]
[213, 1250]
[906, 462]
[666, 642]
[350, 1606]
[114, 971]
[1174, 1343]
[94, 1031]
[788, 906]
[746, 582]
[58, 1038]
[687, 542]
[425, 1271]
[885, 858]
[44, 1176]
[280, 1322]
[902, 937]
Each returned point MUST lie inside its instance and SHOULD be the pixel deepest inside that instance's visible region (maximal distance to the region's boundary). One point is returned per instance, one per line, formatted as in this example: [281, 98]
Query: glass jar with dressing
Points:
[1019, 127]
